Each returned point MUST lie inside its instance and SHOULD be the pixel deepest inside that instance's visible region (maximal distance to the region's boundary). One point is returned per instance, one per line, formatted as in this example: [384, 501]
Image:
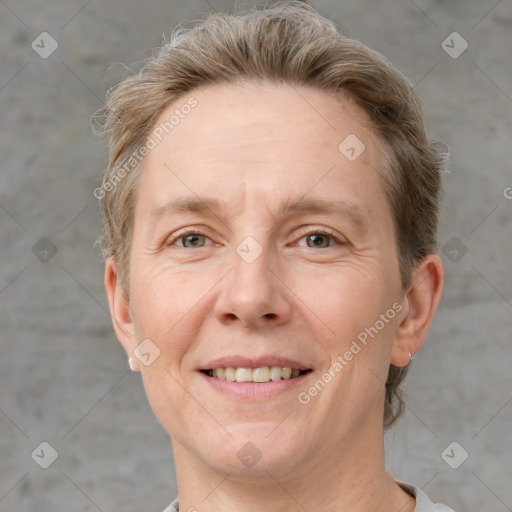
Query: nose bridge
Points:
[252, 278]
[252, 293]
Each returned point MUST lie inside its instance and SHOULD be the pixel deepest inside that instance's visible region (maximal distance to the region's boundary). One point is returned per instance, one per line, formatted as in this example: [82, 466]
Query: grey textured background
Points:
[64, 377]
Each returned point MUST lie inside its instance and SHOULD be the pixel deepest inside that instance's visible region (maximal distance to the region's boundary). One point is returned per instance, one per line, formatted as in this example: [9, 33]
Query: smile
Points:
[262, 374]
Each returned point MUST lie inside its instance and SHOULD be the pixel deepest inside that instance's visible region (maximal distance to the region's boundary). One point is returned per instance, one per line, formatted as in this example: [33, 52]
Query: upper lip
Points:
[253, 362]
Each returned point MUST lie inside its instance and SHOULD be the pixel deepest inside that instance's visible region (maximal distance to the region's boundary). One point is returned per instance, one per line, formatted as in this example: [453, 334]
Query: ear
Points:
[421, 303]
[119, 305]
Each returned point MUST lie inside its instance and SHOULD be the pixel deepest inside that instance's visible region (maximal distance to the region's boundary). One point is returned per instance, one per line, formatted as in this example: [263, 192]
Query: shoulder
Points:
[173, 507]
[423, 502]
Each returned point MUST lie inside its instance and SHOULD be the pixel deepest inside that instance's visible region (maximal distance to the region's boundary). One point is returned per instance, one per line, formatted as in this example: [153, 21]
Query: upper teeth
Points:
[262, 374]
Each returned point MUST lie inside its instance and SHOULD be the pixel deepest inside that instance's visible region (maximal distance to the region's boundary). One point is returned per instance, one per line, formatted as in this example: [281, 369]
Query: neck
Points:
[351, 477]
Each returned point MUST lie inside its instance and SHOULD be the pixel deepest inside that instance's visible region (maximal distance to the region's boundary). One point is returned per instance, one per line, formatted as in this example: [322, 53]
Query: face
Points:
[263, 237]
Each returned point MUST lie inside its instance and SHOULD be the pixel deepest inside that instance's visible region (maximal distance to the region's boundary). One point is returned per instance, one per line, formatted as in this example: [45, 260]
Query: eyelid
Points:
[322, 231]
[171, 240]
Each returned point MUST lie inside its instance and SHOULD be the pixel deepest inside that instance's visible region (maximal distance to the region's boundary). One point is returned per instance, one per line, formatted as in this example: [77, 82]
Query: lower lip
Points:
[255, 390]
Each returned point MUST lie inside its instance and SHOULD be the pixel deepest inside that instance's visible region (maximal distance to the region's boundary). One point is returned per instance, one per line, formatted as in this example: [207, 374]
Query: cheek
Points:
[165, 307]
[355, 304]
[349, 293]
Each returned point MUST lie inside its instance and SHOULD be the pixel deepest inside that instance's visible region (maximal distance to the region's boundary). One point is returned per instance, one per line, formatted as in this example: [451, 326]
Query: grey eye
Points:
[316, 240]
[193, 240]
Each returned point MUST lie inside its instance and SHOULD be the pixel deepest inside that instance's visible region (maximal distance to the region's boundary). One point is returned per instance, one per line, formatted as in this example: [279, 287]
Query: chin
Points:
[252, 453]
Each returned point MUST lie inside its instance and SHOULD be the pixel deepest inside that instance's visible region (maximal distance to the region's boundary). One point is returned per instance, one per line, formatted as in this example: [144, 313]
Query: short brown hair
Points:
[290, 43]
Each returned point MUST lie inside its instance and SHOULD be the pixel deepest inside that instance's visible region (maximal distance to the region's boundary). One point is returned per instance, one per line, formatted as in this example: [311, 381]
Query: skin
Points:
[255, 146]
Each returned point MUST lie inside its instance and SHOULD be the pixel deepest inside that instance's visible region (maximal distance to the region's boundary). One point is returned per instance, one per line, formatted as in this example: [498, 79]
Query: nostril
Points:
[270, 315]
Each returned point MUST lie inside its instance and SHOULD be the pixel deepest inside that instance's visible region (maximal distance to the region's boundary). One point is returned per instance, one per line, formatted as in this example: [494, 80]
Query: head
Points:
[260, 111]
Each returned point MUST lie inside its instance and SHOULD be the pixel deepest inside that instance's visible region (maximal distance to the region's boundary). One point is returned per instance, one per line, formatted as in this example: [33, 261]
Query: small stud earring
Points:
[130, 364]
[410, 357]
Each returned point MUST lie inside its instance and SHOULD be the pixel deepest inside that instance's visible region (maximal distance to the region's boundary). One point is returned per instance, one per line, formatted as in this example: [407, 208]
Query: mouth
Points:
[254, 379]
[262, 374]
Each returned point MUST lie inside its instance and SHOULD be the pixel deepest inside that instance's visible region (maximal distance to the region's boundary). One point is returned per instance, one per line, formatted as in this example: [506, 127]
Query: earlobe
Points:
[119, 305]
[421, 303]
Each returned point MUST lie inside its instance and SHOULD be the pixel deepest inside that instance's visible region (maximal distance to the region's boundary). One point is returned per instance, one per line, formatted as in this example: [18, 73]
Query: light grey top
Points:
[423, 503]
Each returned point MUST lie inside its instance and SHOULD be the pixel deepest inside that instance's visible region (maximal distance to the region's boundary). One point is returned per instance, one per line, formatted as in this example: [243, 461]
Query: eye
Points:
[191, 238]
[320, 239]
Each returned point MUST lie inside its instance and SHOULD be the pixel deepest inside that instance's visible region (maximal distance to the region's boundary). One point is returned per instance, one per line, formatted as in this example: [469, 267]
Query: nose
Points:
[254, 293]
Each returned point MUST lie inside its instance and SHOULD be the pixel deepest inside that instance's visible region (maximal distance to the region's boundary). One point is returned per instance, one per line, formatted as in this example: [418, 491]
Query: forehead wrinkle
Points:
[194, 203]
[213, 206]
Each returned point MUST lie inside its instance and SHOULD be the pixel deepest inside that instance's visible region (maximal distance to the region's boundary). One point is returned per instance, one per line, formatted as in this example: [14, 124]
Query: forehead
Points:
[273, 139]
[274, 114]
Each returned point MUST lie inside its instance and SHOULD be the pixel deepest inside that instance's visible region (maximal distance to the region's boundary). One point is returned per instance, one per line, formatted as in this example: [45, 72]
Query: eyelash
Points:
[192, 231]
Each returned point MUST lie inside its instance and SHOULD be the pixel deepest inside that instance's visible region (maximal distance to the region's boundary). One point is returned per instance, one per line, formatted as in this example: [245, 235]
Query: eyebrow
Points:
[212, 205]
